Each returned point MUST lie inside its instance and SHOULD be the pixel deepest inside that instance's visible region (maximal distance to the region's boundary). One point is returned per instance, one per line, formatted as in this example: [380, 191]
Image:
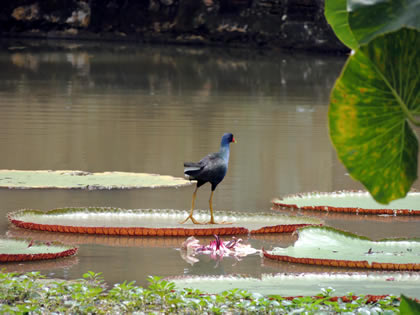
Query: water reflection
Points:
[103, 107]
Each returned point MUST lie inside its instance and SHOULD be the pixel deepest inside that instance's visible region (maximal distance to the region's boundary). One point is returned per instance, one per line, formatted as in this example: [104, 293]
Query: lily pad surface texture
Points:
[45, 179]
[12, 250]
[307, 284]
[351, 202]
[330, 247]
[114, 221]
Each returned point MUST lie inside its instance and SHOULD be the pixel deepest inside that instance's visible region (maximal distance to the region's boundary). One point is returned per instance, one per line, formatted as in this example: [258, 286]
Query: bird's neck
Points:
[225, 151]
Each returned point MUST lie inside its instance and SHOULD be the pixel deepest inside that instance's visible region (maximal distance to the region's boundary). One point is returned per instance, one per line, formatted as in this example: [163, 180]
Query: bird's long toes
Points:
[193, 220]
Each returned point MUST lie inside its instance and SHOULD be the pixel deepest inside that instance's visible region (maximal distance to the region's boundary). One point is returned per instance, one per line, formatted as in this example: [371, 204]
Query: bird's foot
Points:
[192, 219]
[214, 222]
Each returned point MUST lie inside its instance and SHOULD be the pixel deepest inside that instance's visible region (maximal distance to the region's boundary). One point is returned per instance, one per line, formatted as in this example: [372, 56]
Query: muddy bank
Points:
[297, 24]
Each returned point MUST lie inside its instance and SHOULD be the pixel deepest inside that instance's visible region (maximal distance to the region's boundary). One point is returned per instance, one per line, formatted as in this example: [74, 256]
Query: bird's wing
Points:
[192, 167]
[206, 163]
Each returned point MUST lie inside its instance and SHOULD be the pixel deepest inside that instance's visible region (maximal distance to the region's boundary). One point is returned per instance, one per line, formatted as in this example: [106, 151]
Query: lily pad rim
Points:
[357, 264]
[17, 218]
[278, 202]
[65, 250]
[356, 236]
[100, 209]
[182, 181]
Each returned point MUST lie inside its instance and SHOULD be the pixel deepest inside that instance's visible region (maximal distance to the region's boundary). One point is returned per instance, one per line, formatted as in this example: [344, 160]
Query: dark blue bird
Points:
[212, 168]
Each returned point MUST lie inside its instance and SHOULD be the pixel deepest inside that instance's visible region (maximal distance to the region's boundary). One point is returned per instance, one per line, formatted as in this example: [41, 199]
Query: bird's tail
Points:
[190, 168]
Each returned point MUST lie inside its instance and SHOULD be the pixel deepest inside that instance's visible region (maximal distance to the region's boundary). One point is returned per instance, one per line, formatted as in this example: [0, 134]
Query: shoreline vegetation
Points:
[33, 293]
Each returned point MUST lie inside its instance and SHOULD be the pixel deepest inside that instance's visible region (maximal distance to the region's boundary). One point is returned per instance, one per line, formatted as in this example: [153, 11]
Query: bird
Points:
[212, 168]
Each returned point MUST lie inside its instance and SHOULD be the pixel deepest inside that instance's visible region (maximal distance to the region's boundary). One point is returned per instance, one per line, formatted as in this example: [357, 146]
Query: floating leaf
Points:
[368, 19]
[112, 221]
[370, 102]
[23, 250]
[352, 202]
[330, 247]
[307, 284]
[337, 16]
[84, 180]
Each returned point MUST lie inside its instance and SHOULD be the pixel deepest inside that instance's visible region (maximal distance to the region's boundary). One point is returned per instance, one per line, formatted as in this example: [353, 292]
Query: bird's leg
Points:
[211, 212]
[192, 210]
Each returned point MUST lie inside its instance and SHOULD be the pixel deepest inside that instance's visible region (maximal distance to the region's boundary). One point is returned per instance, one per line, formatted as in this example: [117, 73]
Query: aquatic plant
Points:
[33, 293]
[350, 202]
[114, 221]
[377, 95]
[12, 250]
[217, 249]
[374, 284]
[330, 247]
[47, 179]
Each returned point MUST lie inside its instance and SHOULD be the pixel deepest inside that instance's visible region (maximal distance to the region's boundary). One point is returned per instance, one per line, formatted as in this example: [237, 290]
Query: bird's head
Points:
[228, 138]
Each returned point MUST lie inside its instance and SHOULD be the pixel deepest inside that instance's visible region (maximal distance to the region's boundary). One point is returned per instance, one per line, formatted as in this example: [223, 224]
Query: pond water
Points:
[120, 107]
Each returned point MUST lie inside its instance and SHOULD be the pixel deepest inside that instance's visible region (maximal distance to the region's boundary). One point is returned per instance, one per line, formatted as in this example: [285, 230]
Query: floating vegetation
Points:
[34, 294]
[330, 247]
[13, 250]
[351, 202]
[114, 221]
[46, 179]
[307, 284]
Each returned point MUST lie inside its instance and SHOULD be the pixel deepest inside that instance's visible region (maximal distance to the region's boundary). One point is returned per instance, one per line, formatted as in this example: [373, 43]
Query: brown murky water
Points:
[102, 107]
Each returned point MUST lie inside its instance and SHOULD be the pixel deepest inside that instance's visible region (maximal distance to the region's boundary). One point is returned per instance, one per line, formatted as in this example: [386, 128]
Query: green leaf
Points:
[409, 306]
[22, 250]
[369, 19]
[318, 244]
[350, 201]
[369, 105]
[337, 16]
[307, 284]
[46, 179]
[114, 221]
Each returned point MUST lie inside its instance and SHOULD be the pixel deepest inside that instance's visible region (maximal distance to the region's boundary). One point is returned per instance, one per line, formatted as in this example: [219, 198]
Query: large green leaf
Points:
[337, 16]
[328, 246]
[409, 306]
[369, 104]
[22, 250]
[369, 19]
[44, 179]
[113, 221]
[307, 284]
[350, 202]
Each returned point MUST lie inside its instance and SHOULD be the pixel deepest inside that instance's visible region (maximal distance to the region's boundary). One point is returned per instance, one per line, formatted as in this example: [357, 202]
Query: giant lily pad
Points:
[330, 247]
[352, 202]
[307, 284]
[84, 180]
[23, 250]
[112, 221]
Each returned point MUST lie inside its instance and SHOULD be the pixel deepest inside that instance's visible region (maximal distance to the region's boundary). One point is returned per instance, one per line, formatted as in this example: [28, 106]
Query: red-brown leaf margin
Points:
[142, 231]
[40, 256]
